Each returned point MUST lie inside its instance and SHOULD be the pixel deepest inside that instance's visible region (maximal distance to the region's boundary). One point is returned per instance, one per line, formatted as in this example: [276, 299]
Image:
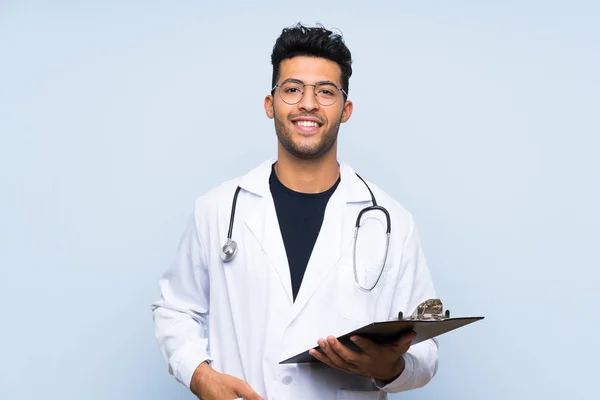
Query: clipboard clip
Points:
[431, 309]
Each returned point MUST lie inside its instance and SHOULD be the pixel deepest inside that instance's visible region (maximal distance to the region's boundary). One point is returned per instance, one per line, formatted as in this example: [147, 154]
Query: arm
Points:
[421, 360]
[181, 320]
[398, 366]
[181, 313]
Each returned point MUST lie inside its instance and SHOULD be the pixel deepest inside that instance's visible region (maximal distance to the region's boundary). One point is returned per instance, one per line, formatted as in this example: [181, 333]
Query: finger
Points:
[342, 352]
[365, 344]
[322, 357]
[337, 361]
[406, 338]
[402, 345]
[246, 392]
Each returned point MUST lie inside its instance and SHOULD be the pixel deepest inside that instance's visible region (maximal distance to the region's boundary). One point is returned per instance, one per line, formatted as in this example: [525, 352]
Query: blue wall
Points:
[481, 119]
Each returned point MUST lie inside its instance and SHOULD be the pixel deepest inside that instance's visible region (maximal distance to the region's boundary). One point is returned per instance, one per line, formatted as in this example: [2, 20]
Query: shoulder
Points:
[402, 219]
[254, 180]
[211, 207]
[209, 201]
[214, 194]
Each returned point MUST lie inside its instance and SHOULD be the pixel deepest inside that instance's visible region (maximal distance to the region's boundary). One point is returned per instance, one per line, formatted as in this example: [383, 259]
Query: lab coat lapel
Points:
[335, 235]
[332, 239]
[264, 224]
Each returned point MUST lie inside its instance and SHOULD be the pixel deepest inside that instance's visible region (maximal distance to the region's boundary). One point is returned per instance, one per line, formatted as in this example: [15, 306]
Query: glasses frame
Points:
[278, 85]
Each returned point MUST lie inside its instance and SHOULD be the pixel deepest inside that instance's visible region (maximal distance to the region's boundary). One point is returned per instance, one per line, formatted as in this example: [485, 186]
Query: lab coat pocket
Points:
[344, 394]
[354, 303]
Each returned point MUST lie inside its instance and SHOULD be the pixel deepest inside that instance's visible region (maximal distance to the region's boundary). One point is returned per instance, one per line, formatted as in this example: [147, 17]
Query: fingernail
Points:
[330, 341]
[354, 338]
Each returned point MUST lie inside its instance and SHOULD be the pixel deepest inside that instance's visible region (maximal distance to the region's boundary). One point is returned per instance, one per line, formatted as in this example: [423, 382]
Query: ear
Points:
[269, 107]
[347, 111]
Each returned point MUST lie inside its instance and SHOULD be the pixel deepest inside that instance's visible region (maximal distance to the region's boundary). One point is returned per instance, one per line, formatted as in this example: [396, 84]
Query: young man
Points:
[285, 276]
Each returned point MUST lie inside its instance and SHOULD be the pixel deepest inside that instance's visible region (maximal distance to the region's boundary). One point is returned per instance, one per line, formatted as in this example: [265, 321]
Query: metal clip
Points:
[429, 309]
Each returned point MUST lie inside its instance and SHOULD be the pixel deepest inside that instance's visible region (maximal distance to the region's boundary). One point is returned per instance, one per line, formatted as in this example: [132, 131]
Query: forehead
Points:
[310, 69]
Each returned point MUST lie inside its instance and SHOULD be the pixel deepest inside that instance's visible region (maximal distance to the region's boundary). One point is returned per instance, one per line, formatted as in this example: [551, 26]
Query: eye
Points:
[292, 90]
[327, 91]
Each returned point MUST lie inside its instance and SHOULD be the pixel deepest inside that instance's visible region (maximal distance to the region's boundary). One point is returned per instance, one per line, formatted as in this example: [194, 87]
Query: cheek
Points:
[280, 111]
[280, 115]
[335, 116]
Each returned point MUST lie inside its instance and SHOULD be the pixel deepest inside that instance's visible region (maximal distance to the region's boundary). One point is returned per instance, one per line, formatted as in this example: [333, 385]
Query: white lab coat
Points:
[240, 315]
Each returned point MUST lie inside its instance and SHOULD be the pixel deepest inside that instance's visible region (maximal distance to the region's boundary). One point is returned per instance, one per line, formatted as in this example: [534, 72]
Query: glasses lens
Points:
[327, 94]
[291, 92]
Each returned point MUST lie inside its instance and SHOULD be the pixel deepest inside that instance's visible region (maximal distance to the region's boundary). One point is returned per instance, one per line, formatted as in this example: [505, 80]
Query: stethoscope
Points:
[229, 249]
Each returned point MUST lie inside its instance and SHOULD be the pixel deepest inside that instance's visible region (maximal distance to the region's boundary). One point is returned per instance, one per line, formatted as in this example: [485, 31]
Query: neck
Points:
[307, 176]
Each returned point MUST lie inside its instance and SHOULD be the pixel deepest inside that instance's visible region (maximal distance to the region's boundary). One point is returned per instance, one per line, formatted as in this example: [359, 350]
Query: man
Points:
[295, 281]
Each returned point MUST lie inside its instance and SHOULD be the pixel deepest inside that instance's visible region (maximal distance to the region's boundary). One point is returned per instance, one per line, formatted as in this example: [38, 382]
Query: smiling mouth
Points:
[307, 124]
[306, 127]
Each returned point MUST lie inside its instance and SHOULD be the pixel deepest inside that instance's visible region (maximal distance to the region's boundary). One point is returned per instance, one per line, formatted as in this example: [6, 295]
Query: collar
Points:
[352, 188]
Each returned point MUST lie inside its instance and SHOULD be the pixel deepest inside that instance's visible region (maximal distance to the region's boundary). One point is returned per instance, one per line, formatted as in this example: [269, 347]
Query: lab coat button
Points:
[287, 380]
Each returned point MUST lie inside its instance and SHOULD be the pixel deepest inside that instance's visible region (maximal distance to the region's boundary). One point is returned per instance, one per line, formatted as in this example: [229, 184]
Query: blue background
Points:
[482, 119]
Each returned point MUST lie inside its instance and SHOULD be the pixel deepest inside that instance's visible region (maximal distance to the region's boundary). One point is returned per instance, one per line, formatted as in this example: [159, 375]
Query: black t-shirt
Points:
[300, 217]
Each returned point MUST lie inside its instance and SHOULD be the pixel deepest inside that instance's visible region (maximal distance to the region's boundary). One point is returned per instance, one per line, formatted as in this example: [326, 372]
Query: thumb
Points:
[246, 392]
[402, 345]
[406, 338]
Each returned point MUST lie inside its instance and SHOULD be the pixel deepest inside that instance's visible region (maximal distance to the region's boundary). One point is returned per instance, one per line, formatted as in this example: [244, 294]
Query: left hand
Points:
[383, 362]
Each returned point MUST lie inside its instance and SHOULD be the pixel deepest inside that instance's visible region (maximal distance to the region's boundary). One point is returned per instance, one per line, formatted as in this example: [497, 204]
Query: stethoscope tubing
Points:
[229, 249]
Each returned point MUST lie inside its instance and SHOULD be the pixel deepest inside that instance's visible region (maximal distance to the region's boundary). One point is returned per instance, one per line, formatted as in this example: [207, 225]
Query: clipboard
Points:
[428, 321]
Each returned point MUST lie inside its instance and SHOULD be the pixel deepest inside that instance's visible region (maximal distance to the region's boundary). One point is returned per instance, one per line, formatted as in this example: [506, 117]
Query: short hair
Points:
[300, 40]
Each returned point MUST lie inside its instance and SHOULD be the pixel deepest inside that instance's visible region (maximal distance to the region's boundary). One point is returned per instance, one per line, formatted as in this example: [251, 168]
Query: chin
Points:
[308, 152]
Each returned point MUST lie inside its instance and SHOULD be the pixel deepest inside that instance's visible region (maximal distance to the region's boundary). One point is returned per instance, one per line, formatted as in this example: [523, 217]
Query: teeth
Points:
[307, 123]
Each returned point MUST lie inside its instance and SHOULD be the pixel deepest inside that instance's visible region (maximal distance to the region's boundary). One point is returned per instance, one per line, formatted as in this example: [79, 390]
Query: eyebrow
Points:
[298, 81]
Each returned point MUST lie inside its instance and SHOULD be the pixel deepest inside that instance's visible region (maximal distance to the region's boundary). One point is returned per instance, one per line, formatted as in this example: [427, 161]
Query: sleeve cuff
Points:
[187, 359]
[403, 379]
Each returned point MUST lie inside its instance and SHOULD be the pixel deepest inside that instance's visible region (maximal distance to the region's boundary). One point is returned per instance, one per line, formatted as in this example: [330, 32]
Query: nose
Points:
[309, 102]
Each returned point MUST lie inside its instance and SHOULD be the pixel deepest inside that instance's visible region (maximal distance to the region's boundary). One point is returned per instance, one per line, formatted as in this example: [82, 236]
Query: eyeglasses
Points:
[292, 91]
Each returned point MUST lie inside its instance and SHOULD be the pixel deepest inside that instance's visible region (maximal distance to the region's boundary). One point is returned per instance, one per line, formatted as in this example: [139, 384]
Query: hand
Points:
[383, 362]
[209, 384]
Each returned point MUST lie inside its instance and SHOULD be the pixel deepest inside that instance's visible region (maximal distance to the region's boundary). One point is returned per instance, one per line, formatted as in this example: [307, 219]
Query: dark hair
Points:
[300, 40]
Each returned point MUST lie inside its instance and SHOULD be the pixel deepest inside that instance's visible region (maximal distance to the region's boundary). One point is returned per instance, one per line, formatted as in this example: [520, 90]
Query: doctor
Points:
[225, 318]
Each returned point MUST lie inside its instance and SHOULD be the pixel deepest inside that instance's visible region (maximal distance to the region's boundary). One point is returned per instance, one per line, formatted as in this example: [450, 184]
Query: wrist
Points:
[199, 377]
[397, 370]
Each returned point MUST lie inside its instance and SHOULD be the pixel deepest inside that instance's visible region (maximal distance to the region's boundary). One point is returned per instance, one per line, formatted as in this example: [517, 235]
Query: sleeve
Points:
[181, 313]
[421, 360]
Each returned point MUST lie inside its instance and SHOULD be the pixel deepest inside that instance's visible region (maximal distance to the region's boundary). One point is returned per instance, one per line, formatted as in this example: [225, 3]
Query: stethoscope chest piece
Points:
[228, 250]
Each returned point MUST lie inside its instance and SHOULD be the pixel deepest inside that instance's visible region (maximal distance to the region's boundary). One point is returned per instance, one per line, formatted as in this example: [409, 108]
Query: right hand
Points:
[209, 384]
